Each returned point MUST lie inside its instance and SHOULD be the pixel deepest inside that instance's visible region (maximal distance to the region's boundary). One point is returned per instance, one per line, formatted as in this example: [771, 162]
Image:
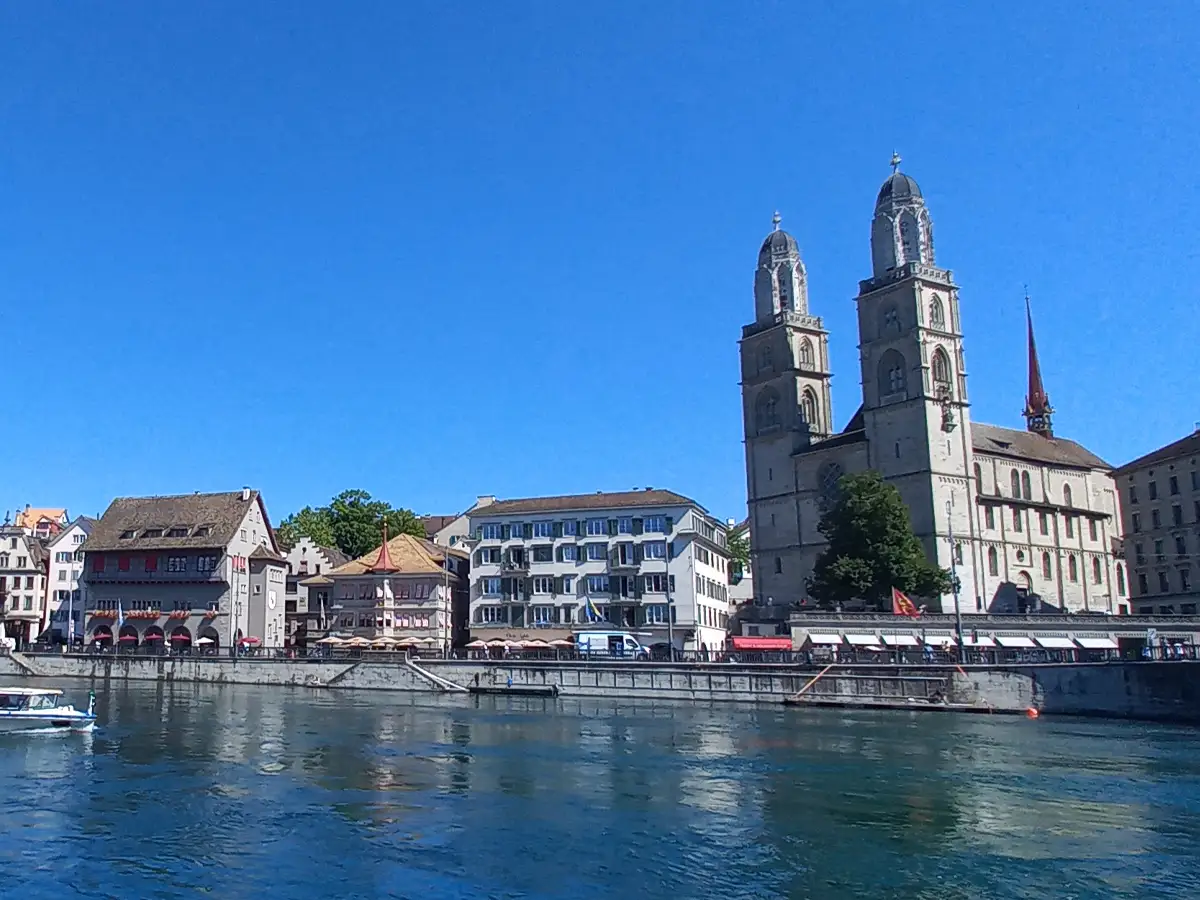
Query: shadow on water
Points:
[233, 791]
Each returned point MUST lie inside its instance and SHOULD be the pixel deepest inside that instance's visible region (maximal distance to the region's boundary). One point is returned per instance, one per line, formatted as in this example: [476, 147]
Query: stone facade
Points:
[64, 595]
[1161, 511]
[547, 566]
[23, 573]
[1028, 520]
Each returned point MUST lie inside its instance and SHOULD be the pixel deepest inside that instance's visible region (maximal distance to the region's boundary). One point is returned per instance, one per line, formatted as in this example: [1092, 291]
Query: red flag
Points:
[902, 606]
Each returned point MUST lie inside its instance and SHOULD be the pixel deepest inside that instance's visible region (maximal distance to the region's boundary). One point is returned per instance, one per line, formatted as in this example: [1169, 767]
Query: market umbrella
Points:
[476, 645]
[535, 644]
[332, 639]
[565, 644]
[357, 641]
[252, 641]
[497, 642]
[203, 640]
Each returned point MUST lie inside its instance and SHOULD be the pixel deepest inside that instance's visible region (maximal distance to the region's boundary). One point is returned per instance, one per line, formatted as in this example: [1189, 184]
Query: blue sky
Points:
[439, 250]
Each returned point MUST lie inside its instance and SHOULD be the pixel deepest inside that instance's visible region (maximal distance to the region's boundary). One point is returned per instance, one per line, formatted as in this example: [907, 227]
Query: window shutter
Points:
[558, 551]
[637, 526]
[637, 553]
[612, 526]
[581, 528]
[670, 524]
[528, 588]
[557, 587]
[557, 529]
[505, 532]
[527, 530]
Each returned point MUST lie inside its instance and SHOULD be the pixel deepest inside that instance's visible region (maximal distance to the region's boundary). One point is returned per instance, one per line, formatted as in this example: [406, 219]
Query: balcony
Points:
[514, 565]
[623, 565]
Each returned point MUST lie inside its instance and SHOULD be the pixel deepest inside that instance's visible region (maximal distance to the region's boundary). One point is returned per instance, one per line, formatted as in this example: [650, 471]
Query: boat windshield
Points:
[43, 701]
[14, 701]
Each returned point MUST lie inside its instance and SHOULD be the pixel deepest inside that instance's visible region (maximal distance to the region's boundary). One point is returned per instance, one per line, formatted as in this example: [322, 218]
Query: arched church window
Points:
[766, 409]
[1024, 582]
[1016, 483]
[806, 354]
[978, 479]
[828, 478]
[893, 378]
[1120, 580]
[1067, 495]
[1047, 566]
[808, 407]
[1097, 572]
[993, 561]
[937, 313]
[910, 238]
[1026, 487]
[941, 369]
[889, 320]
[1072, 568]
[765, 364]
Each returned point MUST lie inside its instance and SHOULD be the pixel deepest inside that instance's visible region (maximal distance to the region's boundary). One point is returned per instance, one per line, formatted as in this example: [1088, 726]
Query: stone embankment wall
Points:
[1144, 690]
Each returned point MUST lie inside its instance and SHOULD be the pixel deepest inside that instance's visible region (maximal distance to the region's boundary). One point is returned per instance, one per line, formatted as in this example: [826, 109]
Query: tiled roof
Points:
[268, 554]
[221, 513]
[28, 518]
[598, 500]
[409, 556]
[434, 524]
[1183, 447]
[996, 441]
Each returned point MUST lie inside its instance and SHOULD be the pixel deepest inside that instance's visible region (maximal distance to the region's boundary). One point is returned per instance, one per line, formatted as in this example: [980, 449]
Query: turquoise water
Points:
[230, 792]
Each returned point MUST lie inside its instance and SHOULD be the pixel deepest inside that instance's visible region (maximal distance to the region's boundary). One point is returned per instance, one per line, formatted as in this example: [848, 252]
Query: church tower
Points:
[914, 379]
[1037, 403]
[786, 400]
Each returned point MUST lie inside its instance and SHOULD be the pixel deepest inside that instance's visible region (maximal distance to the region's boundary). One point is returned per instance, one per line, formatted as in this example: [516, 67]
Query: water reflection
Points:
[299, 793]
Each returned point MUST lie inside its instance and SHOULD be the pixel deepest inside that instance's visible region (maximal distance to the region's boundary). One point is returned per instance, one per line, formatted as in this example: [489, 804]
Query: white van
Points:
[609, 644]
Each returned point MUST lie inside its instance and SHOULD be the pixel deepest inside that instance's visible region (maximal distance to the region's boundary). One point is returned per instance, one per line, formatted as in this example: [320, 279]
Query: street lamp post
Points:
[670, 617]
[958, 629]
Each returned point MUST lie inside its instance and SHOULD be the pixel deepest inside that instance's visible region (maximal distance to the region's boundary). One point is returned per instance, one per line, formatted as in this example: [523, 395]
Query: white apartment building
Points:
[64, 601]
[546, 566]
[22, 584]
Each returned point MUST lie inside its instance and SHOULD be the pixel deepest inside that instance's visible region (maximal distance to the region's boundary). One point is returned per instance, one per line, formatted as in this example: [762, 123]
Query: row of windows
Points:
[1135, 520]
[22, 561]
[1073, 573]
[505, 531]
[150, 563]
[706, 587]
[126, 606]
[1021, 486]
[650, 614]
[175, 531]
[1044, 522]
[16, 581]
[805, 353]
[66, 556]
[1181, 549]
[1172, 486]
[1183, 579]
[15, 603]
[400, 591]
[366, 620]
[620, 554]
[656, 583]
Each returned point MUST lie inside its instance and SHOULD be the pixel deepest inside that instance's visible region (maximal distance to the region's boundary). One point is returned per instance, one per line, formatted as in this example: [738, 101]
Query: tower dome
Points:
[902, 231]
[780, 280]
[899, 188]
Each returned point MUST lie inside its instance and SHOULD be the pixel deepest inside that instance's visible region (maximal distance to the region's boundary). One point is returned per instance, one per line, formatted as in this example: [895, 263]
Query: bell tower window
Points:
[941, 369]
[892, 377]
[766, 410]
[808, 408]
[806, 354]
[937, 314]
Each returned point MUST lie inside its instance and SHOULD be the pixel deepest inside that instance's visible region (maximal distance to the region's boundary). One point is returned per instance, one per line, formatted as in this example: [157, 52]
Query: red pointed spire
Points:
[1037, 403]
[384, 562]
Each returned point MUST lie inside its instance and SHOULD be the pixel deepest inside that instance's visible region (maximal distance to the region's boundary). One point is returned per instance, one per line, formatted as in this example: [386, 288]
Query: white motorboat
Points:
[42, 709]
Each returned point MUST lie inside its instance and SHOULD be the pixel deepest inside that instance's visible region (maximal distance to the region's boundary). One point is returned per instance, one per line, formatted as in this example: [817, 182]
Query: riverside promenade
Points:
[1152, 690]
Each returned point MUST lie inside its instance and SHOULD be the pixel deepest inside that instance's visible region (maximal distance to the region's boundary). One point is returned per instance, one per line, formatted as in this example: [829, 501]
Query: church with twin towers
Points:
[1029, 519]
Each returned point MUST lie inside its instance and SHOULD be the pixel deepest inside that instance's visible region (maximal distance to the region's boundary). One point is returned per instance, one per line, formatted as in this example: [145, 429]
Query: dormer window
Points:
[128, 535]
[152, 533]
[178, 531]
[203, 531]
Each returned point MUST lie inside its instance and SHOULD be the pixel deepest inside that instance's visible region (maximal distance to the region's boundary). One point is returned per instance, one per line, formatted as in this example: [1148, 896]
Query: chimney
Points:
[485, 500]
[245, 493]
[729, 523]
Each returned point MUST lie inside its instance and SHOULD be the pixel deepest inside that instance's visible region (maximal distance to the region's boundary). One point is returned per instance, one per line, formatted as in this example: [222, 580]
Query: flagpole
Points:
[954, 577]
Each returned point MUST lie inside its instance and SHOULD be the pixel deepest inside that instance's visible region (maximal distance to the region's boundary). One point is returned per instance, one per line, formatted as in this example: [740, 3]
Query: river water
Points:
[231, 792]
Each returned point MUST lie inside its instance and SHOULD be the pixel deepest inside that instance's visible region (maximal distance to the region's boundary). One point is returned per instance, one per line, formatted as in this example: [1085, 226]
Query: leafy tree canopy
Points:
[352, 522]
[738, 546]
[871, 549]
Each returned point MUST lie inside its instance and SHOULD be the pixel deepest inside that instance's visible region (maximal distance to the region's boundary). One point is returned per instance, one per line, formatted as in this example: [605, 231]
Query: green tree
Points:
[738, 545]
[308, 522]
[352, 522]
[356, 521]
[871, 549]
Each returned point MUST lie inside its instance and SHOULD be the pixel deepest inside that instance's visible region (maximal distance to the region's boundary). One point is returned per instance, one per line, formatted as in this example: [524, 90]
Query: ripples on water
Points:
[230, 792]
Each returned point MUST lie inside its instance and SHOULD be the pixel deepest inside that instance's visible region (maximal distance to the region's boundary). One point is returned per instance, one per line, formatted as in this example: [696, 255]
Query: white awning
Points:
[938, 640]
[899, 640]
[863, 640]
[824, 639]
[1009, 640]
[984, 640]
[1055, 642]
[1095, 643]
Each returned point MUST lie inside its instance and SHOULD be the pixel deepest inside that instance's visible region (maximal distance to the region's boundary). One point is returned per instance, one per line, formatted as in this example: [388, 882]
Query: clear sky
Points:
[436, 250]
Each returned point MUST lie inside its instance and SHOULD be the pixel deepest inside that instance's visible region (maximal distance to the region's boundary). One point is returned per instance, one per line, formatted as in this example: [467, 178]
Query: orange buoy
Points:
[1031, 713]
